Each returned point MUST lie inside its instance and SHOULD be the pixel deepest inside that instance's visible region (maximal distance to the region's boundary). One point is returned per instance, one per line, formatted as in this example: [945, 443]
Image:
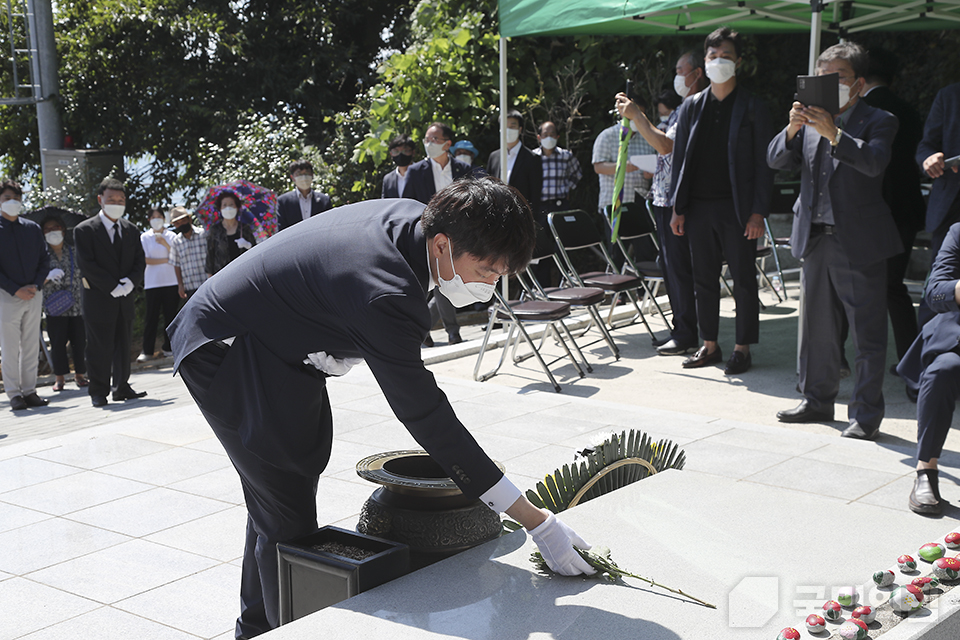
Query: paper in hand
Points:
[820, 91]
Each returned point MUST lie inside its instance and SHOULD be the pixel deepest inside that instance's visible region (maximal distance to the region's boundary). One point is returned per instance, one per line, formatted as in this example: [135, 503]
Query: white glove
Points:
[127, 286]
[118, 291]
[243, 243]
[55, 274]
[330, 365]
[556, 541]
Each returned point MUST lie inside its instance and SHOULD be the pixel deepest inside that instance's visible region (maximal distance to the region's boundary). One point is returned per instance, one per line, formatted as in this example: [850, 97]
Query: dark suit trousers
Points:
[63, 329]
[281, 505]
[108, 348]
[834, 287]
[678, 274]
[903, 318]
[939, 390]
[715, 234]
[166, 299]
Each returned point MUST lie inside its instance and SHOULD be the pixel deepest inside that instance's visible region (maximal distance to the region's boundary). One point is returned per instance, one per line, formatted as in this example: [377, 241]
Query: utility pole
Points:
[46, 66]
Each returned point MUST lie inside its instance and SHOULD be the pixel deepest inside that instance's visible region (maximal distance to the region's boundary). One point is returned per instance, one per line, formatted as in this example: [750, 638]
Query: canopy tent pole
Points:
[816, 19]
[503, 135]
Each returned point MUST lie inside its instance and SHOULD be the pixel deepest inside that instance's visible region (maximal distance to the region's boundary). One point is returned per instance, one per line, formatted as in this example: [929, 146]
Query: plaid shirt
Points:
[661, 177]
[605, 149]
[561, 173]
[190, 254]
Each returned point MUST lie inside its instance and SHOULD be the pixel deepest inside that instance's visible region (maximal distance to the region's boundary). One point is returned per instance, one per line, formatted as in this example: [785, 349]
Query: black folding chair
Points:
[517, 314]
[634, 225]
[573, 231]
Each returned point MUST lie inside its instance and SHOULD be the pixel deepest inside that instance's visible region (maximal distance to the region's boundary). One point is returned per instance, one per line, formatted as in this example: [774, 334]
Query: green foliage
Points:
[557, 490]
[77, 190]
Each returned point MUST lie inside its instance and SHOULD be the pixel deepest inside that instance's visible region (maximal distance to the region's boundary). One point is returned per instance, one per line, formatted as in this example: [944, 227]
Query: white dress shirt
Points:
[306, 203]
[512, 159]
[109, 222]
[442, 176]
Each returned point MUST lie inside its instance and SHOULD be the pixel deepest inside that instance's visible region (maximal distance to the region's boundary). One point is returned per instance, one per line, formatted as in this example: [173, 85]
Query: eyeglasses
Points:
[398, 150]
[434, 139]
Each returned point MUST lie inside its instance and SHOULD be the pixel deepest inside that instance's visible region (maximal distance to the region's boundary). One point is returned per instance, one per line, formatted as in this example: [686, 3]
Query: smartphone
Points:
[949, 163]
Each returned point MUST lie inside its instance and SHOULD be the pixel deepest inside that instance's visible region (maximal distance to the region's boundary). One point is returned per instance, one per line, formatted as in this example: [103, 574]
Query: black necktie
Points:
[116, 238]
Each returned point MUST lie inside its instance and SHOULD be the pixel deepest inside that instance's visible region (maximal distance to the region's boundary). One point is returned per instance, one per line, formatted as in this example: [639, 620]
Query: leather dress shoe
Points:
[803, 412]
[17, 403]
[672, 348]
[127, 394]
[739, 362]
[454, 339]
[98, 401]
[33, 400]
[859, 432]
[703, 358]
[924, 498]
[428, 341]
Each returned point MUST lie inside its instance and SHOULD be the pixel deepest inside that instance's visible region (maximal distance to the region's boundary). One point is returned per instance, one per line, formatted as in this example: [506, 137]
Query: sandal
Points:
[81, 381]
[58, 385]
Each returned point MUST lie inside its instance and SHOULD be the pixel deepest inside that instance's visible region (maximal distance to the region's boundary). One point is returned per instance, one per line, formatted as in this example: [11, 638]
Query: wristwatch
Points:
[836, 139]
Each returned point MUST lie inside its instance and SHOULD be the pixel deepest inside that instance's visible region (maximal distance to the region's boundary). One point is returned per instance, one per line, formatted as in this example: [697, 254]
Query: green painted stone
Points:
[931, 551]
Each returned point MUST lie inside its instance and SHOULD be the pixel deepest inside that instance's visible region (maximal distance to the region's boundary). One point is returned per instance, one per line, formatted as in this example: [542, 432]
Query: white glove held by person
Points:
[556, 541]
[118, 291]
[55, 274]
[330, 365]
[243, 243]
[127, 286]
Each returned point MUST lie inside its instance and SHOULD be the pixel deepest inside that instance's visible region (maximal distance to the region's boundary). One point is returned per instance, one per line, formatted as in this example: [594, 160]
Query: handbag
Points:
[60, 302]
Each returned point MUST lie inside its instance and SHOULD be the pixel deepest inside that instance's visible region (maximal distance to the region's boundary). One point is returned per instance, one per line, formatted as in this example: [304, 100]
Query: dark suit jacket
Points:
[901, 181]
[750, 177]
[301, 293]
[390, 189]
[862, 219]
[942, 133]
[288, 207]
[420, 178]
[527, 174]
[942, 333]
[102, 270]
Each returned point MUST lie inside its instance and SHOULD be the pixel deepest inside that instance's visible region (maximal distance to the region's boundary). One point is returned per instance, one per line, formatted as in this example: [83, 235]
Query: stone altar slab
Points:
[766, 556]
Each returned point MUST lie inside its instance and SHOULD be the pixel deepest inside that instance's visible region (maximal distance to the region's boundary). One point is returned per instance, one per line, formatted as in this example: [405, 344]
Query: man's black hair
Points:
[485, 218]
[670, 99]
[402, 140]
[883, 65]
[113, 184]
[849, 51]
[444, 129]
[716, 38]
[229, 194]
[297, 165]
[12, 185]
[513, 113]
[52, 217]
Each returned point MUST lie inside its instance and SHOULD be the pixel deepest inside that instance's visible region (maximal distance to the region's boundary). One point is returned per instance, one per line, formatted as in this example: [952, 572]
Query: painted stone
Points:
[884, 578]
[848, 597]
[865, 613]
[815, 623]
[906, 563]
[832, 610]
[931, 551]
[789, 633]
[953, 540]
[946, 568]
[906, 598]
[853, 630]
[926, 583]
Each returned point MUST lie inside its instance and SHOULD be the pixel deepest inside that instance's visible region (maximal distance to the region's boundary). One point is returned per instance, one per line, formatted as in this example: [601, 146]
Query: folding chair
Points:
[586, 297]
[764, 251]
[519, 313]
[634, 226]
[574, 230]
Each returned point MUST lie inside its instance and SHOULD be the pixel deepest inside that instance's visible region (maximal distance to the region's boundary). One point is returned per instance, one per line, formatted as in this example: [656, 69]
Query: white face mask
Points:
[548, 143]
[114, 211]
[680, 86]
[303, 181]
[513, 135]
[434, 150]
[12, 208]
[228, 213]
[460, 293]
[54, 237]
[844, 94]
[156, 223]
[466, 158]
[719, 70]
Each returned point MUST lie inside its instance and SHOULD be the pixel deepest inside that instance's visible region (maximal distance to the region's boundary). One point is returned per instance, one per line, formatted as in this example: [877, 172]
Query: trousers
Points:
[20, 342]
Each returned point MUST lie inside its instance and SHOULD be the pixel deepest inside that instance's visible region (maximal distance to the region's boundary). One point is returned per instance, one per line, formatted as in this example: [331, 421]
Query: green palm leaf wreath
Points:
[620, 460]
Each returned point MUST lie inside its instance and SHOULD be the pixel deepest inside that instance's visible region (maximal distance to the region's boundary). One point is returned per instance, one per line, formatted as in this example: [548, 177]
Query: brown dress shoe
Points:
[703, 358]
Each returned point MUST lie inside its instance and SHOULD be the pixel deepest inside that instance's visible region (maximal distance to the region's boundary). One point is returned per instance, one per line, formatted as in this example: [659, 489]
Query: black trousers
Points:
[108, 350]
[166, 299]
[281, 505]
[903, 317]
[715, 234]
[678, 276]
[939, 390]
[61, 330]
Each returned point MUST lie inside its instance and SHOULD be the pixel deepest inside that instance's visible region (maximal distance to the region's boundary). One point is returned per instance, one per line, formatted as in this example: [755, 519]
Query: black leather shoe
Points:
[454, 339]
[803, 412]
[703, 358]
[738, 363]
[17, 403]
[924, 498]
[98, 401]
[127, 394]
[859, 432]
[428, 341]
[672, 348]
[33, 400]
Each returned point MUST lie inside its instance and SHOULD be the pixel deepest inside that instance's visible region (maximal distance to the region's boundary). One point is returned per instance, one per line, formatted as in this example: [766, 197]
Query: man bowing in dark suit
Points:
[524, 170]
[110, 257]
[844, 233]
[303, 202]
[257, 341]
